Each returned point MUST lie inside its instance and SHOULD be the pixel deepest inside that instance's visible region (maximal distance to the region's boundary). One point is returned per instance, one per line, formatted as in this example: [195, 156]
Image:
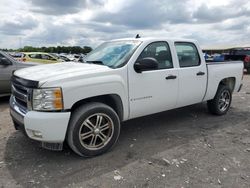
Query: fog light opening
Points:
[37, 134]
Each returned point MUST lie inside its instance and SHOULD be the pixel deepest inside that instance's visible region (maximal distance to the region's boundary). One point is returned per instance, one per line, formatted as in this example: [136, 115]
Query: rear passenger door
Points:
[192, 74]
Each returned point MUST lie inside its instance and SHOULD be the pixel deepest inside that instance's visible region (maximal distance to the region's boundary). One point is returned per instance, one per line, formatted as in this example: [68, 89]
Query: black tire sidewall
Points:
[81, 118]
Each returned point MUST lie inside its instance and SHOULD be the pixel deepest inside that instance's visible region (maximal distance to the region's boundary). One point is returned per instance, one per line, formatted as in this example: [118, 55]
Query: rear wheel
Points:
[220, 104]
[94, 128]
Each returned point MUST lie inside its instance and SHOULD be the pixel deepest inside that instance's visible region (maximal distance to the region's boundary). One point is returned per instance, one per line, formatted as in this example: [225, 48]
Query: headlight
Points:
[47, 99]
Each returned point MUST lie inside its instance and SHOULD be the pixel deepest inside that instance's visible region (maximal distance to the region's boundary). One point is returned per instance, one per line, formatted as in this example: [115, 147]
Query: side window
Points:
[35, 56]
[161, 52]
[187, 54]
[46, 57]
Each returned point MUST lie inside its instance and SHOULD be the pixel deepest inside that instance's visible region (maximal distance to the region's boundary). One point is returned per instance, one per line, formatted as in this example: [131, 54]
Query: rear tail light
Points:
[247, 59]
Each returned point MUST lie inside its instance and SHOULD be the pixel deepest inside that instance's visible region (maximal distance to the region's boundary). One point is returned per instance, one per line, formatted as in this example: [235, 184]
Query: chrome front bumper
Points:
[17, 113]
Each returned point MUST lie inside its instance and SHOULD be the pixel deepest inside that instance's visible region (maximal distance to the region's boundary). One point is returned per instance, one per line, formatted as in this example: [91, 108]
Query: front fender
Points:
[77, 90]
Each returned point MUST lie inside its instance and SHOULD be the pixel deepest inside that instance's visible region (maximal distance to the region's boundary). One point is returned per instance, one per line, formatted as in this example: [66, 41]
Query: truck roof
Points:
[151, 39]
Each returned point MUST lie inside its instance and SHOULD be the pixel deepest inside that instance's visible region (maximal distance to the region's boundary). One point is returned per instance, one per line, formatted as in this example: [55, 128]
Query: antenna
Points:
[137, 36]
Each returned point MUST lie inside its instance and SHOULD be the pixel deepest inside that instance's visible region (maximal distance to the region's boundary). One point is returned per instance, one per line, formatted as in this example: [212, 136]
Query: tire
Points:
[93, 129]
[220, 104]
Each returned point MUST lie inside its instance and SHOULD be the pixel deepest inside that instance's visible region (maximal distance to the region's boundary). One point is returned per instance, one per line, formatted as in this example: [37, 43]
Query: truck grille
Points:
[20, 94]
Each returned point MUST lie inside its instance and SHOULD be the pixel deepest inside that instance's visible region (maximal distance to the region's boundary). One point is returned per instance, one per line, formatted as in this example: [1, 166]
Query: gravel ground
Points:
[186, 147]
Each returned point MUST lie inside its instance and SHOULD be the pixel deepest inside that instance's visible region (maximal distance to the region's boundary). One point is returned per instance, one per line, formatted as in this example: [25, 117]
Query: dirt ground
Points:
[186, 147]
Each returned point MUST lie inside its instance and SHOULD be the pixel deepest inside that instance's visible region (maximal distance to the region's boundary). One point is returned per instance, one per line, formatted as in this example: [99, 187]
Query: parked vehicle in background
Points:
[40, 57]
[73, 57]
[84, 103]
[242, 54]
[218, 57]
[7, 66]
[59, 56]
[81, 58]
[17, 55]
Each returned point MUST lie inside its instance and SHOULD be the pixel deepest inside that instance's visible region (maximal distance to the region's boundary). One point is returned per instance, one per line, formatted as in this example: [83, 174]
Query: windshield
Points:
[113, 54]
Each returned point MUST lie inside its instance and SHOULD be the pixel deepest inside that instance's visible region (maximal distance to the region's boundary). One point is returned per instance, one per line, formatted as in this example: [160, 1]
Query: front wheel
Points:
[94, 128]
[220, 104]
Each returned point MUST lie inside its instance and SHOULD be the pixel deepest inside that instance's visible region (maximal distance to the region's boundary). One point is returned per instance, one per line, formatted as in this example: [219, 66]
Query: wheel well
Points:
[230, 82]
[112, 100]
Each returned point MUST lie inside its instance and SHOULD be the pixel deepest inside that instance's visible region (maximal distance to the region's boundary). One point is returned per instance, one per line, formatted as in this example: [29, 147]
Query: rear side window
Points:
[47, 57]
[187, 53]
[35, 56]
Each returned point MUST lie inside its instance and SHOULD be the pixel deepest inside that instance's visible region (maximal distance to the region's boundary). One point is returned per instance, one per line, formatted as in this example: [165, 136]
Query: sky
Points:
[90, 22]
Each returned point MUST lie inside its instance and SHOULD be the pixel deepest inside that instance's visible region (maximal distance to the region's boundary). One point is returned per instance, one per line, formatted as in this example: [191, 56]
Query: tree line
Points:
[57, 49]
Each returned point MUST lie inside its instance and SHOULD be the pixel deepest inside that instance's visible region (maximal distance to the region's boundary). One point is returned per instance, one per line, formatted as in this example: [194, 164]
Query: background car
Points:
[40, 57]
[63, 57]
[7, 66]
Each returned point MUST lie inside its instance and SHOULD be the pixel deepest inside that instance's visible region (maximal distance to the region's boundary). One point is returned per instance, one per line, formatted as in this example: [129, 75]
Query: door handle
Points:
[171, 77]
[200, 73]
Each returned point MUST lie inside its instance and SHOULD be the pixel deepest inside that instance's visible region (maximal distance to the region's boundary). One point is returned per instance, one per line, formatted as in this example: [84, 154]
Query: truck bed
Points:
[216, 71]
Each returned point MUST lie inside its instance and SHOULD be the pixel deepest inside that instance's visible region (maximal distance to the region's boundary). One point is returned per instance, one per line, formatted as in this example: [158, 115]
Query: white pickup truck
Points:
[83, 103]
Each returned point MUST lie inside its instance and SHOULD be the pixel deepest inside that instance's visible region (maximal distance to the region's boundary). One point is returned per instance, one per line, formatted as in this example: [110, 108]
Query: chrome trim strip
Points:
[19, 86]
[16, 112]
[18, 94]
[223, 62]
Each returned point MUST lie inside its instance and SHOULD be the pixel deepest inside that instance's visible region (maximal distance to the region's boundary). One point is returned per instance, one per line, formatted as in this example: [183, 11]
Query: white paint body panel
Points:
[149, 91]
[218, 71]
[141, 93]
[51, 125]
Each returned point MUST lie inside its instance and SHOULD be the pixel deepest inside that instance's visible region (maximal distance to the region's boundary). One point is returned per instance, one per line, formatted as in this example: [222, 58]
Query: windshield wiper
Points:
[95, 62]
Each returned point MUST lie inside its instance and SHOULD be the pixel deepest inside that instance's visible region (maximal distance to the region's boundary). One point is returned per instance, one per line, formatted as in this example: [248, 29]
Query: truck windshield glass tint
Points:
[113, 54]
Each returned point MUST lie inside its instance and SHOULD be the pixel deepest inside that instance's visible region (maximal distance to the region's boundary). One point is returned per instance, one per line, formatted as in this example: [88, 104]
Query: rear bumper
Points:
[48, 127]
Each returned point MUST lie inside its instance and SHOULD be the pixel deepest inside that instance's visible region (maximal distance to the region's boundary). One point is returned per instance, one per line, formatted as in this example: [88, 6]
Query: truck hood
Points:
[44, 73]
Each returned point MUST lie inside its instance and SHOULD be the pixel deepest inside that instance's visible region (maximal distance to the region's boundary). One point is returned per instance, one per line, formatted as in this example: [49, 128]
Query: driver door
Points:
[153, 91]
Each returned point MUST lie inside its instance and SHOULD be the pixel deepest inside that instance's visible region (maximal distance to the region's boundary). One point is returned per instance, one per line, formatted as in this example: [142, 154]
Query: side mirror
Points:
[146, 64]
[5, 61]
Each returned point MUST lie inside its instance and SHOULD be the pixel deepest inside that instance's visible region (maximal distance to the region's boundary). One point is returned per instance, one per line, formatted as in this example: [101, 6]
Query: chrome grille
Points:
[20, 94]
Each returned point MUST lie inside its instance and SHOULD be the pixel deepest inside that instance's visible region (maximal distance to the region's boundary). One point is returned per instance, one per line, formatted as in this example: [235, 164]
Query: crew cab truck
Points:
[83, 103]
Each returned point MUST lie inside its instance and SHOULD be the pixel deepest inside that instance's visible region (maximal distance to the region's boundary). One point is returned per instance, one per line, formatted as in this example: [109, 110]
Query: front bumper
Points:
[48, 127]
